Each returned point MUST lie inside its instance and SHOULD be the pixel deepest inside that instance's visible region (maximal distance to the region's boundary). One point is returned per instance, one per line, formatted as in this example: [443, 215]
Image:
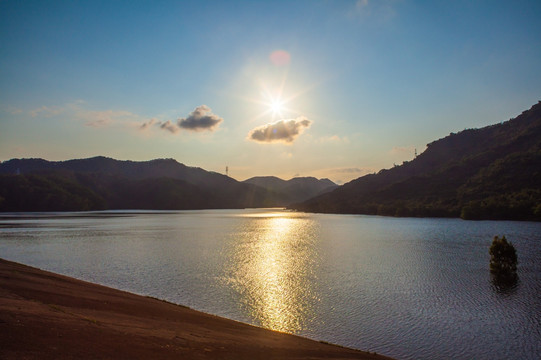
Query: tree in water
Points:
[503, 262]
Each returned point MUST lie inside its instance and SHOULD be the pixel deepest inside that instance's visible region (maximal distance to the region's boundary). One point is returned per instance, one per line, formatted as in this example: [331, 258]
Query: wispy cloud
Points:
[105, 117]
[148, 124]
[47, 112]
[351, 170]
[78, 112]
[285, 131]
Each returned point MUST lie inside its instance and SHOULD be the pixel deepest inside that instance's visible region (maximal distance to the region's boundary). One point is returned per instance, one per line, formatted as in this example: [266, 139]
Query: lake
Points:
[402, 287]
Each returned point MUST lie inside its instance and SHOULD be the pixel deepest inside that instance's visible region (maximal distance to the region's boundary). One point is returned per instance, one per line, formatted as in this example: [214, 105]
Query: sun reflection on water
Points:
[273, 269]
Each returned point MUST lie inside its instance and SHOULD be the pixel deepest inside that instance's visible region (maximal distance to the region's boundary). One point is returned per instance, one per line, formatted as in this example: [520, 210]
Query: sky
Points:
[331, 89]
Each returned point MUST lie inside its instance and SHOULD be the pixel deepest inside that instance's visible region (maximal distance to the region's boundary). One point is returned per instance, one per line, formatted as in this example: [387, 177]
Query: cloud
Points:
[286, 131]
[351, 170]
[46, 111]
[169, 126]
[77, 111]
[200, 119]
[98, 123]
[104, 118]
[165, 125]
[146, 125]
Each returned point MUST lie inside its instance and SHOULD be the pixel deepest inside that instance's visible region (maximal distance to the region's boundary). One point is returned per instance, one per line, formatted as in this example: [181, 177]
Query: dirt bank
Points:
[49, 316]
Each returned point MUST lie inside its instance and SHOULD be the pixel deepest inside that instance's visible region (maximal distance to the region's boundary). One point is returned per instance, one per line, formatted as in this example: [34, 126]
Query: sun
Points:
[276, 106]
[274, 101]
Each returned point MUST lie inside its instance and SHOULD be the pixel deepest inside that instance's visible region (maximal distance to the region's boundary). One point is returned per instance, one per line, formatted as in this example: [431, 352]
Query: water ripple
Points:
[407, 288]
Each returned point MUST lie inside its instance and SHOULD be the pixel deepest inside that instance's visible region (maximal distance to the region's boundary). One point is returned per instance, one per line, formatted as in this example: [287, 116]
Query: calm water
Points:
[407, 288]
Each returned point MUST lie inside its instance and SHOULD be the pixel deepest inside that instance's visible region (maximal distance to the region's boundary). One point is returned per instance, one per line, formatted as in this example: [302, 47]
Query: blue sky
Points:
[331, 89]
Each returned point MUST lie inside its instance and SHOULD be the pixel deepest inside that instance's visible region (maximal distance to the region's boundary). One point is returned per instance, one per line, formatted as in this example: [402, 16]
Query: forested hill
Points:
[488, 173]
[103, 183]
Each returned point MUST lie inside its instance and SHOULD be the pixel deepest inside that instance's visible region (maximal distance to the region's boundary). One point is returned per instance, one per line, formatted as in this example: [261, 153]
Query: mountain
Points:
[295, 190]
[104, 183]
[135, 170]
[488, 173]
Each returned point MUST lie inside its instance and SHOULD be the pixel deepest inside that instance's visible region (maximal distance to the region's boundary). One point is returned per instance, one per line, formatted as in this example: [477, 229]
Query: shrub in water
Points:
[503, 257]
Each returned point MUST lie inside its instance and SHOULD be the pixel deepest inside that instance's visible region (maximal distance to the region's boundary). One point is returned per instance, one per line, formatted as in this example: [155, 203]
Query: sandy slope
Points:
[49, 316]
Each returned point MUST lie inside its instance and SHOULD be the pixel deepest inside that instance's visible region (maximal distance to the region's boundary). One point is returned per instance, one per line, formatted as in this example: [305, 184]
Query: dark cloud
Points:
[200, 119]
[286, 130]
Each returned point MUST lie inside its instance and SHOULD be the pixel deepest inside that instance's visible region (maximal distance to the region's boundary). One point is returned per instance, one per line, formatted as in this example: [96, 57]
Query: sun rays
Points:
[275, 102]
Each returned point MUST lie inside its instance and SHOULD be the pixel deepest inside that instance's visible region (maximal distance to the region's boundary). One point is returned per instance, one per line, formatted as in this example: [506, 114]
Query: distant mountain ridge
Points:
[136, 170]
[488, 173]
[104, 183]
[296, 189]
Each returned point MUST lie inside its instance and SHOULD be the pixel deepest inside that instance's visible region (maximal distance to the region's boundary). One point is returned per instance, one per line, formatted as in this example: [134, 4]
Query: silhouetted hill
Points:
[296, 189]
[488, 173]
[135, 170]
[104, 183]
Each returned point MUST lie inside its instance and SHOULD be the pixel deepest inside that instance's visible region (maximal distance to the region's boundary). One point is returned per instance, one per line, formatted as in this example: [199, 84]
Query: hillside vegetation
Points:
[488, 173]
[102, 183]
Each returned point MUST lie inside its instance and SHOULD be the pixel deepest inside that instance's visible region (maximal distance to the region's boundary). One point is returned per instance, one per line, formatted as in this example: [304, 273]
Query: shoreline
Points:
[44, 315]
